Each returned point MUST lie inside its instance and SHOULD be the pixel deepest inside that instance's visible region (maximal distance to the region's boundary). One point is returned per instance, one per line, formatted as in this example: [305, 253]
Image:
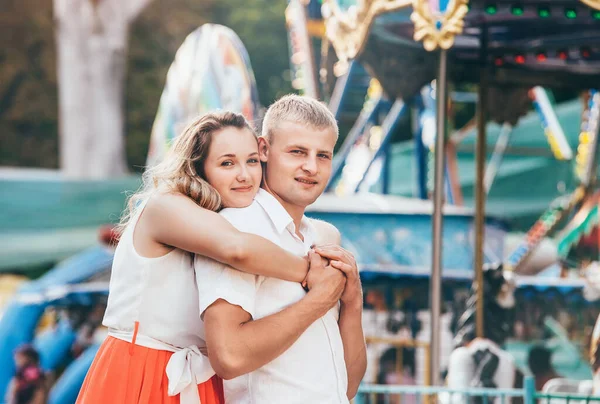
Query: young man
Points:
[272, 341]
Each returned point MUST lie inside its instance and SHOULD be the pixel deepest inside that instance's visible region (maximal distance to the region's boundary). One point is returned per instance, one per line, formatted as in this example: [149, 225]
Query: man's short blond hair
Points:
[300, 110]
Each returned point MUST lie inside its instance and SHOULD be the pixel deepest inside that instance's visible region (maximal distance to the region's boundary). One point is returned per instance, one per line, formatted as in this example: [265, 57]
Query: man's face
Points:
[299, 162]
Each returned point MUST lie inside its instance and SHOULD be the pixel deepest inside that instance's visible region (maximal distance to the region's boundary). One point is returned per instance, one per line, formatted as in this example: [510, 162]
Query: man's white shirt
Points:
[312, 370]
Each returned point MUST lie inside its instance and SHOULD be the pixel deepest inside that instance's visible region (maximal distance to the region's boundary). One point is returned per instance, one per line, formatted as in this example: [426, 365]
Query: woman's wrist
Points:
[306, 267]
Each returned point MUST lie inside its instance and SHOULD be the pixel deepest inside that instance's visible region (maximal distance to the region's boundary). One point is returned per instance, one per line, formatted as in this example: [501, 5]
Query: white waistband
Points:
[186, 368]
[143, 340]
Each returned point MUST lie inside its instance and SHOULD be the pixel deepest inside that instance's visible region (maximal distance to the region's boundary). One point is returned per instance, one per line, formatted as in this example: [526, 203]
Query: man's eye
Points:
[324, 156]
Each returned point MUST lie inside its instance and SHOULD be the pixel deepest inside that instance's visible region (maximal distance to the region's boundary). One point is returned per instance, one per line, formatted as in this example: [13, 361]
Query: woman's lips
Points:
[243, 189]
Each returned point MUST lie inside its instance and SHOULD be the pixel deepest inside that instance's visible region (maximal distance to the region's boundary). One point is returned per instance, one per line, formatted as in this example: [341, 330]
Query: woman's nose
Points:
[243, 174]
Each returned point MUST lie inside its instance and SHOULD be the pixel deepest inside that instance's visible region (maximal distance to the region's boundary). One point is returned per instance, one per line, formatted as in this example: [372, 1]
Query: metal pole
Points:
[435, 286]
[479, 184]
[420, 152]
[496, 161]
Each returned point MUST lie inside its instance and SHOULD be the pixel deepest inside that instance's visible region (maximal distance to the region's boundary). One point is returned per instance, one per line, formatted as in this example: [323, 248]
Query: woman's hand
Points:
[344, 261]
[313, 265]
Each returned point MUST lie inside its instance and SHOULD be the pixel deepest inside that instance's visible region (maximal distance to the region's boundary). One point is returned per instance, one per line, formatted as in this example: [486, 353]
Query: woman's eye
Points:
[253, 161]
[227, 163]
[297, 151]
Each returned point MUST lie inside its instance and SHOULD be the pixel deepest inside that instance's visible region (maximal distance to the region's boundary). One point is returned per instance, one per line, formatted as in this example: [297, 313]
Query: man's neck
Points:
[296, 212]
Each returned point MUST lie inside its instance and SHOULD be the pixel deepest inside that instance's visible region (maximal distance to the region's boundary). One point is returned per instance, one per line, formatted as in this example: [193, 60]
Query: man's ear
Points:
[263, 149]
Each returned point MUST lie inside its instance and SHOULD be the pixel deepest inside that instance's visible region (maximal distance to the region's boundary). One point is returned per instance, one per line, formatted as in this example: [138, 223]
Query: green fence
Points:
[395, 394]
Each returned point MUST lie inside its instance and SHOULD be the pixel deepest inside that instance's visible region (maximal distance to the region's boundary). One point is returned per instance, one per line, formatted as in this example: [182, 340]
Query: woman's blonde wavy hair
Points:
[182, 169]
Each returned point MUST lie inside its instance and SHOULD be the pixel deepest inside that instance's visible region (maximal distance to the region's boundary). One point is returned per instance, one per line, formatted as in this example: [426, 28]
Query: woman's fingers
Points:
[347, 269]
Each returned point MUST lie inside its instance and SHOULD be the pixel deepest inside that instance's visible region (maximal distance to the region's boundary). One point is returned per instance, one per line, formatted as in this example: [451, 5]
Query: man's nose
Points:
[310, 165]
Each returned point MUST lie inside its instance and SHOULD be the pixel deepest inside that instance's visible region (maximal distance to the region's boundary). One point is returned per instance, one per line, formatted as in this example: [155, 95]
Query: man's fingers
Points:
[328, 245]
[332, 254]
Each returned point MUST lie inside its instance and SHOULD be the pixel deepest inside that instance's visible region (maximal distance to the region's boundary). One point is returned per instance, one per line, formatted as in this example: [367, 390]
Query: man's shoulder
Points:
[245, 218]
[251, 219]
[326, 233]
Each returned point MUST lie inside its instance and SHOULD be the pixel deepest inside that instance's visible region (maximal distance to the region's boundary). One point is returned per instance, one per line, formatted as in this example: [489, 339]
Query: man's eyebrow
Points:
[296, 146]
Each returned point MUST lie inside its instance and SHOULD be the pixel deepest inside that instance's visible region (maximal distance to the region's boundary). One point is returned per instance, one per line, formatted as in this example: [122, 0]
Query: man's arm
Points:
[350, 321]
[355, 350]
[238, 345]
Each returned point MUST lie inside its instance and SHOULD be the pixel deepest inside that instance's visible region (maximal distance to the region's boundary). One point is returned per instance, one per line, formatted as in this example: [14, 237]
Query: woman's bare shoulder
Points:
[164, 202]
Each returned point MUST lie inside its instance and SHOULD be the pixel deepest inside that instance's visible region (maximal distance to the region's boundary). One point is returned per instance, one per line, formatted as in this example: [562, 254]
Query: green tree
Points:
[154, 39]
[28, 103]
[28, 87]
[260, 25]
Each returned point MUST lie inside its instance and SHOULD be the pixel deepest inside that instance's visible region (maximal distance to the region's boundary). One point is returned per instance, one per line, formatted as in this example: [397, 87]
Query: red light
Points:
[520, 59]
[563, 55]
[498, 61]
[541, 57]
[585, 53]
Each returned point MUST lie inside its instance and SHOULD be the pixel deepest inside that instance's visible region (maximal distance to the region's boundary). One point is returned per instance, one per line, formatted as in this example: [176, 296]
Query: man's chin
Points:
[307, 200]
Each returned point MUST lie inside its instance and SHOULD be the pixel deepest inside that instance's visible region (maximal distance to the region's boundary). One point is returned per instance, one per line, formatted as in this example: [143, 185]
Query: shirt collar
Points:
[279, 216]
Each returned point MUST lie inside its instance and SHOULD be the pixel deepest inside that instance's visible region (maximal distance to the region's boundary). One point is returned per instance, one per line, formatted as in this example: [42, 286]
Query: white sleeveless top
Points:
[161, 295]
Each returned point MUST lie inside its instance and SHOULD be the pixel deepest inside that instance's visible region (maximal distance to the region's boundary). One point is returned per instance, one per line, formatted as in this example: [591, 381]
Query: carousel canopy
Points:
[528, 159]
[524, 43]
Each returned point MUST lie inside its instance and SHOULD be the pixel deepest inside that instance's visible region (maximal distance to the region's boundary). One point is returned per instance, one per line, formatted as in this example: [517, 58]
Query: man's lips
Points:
[306, 181]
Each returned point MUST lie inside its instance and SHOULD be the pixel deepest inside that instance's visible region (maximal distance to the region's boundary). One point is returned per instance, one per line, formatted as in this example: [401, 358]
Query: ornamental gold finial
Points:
[438, 31]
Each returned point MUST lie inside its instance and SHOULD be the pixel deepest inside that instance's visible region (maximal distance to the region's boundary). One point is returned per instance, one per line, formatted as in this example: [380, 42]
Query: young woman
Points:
[153, 351]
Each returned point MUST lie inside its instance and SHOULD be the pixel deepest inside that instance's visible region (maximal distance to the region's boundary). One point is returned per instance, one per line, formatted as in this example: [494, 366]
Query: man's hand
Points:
[345, 262]
[324, 282]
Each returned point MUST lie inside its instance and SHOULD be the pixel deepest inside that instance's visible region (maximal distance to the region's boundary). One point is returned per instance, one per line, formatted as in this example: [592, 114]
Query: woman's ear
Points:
[263, 149]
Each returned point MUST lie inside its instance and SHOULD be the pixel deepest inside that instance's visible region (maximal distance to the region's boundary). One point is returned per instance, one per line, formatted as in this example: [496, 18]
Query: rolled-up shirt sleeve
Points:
[218, 281]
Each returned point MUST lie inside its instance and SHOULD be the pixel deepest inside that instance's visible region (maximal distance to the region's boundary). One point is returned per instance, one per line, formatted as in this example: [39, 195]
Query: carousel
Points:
[508, 49]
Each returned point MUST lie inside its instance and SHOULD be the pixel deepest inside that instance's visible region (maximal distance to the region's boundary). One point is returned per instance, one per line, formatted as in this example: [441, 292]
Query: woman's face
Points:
[232, 166]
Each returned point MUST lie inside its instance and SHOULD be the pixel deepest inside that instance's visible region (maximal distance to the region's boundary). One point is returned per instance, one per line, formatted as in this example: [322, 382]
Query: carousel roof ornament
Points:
[437, 22]
[522, 43]
[349, 27]
[595, 4]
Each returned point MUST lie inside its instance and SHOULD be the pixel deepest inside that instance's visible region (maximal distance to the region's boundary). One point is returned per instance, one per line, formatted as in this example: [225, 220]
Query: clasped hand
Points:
[328, 257]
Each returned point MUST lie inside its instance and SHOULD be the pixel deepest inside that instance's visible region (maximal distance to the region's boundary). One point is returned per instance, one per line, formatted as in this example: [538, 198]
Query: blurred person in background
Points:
[539, 361]
[28, 386]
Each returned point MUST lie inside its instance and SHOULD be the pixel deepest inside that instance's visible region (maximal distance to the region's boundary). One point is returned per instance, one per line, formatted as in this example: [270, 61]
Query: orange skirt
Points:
[120, 374]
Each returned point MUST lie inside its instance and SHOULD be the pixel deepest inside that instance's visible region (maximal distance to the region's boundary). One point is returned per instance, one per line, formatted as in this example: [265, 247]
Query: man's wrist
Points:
[316, 303]
[354, 305]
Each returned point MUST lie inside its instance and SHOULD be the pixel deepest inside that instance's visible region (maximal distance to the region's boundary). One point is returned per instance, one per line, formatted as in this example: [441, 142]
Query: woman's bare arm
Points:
[175, 220]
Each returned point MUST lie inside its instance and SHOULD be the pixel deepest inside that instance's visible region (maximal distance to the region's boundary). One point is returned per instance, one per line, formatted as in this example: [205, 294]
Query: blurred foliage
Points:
[260, 24]
[28, 92]
[28, 88]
